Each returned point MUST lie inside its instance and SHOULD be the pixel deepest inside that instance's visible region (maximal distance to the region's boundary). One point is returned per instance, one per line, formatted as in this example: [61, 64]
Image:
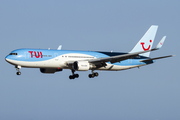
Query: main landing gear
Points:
[18, 71]
[93, 74]
[73, 76]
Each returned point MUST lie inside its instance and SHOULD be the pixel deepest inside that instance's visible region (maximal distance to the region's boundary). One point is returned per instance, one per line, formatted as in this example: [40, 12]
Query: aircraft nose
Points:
[6, 58]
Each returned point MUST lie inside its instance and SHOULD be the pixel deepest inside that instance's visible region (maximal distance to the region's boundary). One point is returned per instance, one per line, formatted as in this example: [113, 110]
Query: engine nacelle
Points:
[49, 70]
[81, 65]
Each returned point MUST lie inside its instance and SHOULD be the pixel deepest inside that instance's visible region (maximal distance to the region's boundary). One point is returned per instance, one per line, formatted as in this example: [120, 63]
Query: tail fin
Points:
[146, 41]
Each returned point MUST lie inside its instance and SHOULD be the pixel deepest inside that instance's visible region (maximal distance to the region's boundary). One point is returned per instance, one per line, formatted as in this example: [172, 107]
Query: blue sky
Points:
[151, 92]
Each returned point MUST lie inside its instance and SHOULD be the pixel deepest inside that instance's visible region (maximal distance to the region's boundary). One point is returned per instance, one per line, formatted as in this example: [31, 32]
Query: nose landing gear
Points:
[18, 71]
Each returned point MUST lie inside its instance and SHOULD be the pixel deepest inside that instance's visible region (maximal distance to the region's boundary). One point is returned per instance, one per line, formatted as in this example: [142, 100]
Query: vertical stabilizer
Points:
[146, 41]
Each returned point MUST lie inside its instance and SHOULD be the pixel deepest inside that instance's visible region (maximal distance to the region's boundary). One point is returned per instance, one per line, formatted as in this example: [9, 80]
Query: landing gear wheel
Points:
[96, 74]
[18, 73]
[76, 75]
[91, 75]
[71, 77]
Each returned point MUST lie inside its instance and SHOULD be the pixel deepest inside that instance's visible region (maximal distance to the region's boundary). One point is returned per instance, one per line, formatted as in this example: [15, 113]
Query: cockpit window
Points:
[13, 54]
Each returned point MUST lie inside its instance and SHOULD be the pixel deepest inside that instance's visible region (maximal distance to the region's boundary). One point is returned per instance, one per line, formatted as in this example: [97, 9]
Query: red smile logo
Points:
[142, 43]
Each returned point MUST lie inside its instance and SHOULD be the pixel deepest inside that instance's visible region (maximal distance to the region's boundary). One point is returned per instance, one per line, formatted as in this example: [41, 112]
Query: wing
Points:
[101, 62]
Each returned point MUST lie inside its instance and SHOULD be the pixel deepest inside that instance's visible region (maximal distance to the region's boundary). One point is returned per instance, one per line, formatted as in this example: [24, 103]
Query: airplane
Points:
[55, 60]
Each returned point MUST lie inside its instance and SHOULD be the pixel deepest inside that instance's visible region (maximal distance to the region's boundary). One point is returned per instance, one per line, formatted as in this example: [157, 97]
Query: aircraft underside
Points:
[46, 67]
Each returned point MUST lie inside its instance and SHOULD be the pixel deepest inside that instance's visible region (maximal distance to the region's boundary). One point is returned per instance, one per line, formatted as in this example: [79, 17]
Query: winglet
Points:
[59, 48]
[160, 43]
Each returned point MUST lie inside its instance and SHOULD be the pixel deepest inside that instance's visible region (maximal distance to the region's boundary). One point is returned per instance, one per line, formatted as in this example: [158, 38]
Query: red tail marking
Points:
[142, 43]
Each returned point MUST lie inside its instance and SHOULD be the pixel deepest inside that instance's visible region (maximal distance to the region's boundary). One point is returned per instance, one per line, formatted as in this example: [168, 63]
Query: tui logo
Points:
[36, 54]
[142, 43]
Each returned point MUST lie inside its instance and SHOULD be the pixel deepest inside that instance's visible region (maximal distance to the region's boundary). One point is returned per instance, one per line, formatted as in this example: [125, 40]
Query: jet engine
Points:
[81, 66]
[49, 70]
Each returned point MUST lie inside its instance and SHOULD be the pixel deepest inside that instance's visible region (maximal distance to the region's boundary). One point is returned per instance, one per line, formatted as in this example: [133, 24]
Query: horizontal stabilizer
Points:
[156, 58]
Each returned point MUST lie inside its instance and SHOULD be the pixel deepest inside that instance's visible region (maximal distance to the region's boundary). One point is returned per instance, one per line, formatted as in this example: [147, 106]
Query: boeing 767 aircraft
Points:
[51, 61]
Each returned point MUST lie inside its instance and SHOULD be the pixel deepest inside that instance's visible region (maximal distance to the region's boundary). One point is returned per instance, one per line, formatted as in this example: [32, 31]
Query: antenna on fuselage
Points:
[59, 48]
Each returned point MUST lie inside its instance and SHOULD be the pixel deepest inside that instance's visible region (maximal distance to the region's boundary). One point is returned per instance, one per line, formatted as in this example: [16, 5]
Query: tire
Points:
[71, 77]
[90, 76]
[76, 75]
[18, 73]
[96, 74]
